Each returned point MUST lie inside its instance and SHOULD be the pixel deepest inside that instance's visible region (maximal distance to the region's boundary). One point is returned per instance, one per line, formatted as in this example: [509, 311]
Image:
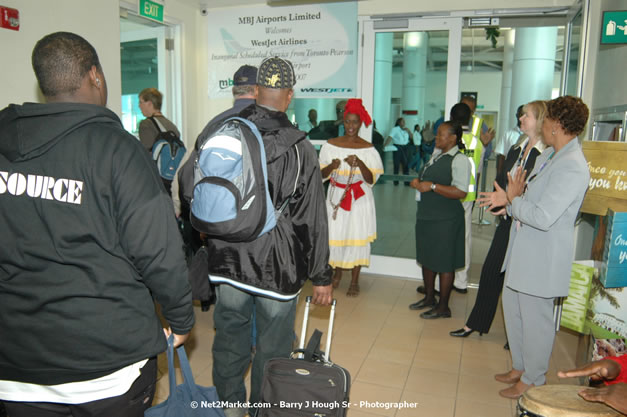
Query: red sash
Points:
[354, 192]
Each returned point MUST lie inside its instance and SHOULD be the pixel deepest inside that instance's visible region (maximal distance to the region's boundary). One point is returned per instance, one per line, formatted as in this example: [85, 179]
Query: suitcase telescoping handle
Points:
[303, 332]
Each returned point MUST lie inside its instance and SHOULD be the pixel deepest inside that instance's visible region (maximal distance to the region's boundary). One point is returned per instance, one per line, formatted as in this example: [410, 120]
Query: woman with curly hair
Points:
[352, 165]
[543, 206]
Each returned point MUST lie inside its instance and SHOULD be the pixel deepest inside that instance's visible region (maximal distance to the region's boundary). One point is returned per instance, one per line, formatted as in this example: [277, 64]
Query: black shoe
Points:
[506, 347]
[395, 182]
[463, 333]
[421, 290]
[422, 304]
[432, 314]
[460, 290]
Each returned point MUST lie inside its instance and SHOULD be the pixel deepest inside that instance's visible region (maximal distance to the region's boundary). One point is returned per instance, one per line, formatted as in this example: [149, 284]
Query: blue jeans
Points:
[232, 344]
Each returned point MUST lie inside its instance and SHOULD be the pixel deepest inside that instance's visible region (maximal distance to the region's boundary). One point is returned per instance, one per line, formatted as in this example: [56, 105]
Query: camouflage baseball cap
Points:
[276, 72]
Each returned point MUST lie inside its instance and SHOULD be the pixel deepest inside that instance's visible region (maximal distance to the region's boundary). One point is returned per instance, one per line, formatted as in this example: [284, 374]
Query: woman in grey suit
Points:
[544, 208]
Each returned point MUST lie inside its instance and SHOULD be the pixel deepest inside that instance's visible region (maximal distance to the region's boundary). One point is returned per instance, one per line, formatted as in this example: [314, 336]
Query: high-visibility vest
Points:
[474, 149]
[477, 124]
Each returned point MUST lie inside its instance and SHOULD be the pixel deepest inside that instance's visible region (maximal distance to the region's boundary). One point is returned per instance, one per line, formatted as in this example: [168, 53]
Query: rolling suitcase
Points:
[307, 383]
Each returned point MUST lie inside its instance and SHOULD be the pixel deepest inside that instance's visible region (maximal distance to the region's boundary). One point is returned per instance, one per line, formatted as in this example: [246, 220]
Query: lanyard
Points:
[432, 162]
[522, 153]
[541, 167]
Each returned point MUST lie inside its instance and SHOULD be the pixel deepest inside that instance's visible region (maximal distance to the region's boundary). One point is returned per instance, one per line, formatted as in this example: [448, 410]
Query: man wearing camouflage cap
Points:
[267, 274]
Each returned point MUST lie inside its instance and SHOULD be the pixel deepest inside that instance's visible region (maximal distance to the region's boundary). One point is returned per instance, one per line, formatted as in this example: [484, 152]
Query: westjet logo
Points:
[41, 186]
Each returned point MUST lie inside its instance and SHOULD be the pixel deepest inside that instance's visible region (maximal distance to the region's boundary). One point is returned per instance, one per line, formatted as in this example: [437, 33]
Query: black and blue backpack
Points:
[168, 151]
[231, 200]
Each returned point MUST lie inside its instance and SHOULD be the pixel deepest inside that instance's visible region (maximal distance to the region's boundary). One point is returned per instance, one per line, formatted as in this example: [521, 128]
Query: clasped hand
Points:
[501, 197]
[351, 160]
[422, 186]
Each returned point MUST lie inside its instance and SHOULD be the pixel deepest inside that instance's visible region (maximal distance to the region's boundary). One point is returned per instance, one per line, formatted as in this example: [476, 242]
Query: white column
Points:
[534, 65]
[506, 120]
[384, 43]
[415, 46]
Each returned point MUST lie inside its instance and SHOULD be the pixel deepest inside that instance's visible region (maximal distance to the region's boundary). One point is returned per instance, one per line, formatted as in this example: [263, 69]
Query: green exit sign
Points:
[614, 29]
[151, 10]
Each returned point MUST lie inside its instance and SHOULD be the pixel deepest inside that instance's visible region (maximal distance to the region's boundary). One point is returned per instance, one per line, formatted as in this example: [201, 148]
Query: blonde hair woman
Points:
[521, 154]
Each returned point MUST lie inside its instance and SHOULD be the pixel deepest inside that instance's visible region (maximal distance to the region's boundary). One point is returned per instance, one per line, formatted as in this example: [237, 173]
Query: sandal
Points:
[353, 290]
[336, 281]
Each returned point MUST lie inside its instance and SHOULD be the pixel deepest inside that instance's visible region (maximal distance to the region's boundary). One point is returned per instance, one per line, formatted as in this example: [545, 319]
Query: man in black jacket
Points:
[90, 239]
[267, 274]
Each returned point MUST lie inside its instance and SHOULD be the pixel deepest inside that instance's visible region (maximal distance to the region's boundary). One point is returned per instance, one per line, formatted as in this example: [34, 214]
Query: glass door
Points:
[142, 52]
[410, 71]
[574, 49]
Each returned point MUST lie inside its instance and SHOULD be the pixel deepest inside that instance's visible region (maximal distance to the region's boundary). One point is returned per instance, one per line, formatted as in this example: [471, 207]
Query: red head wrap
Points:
[354, 106]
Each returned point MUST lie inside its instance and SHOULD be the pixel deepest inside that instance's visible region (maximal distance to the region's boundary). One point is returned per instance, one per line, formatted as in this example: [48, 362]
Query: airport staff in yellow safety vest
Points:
[474, 151]
[480, 130]
[462, 114]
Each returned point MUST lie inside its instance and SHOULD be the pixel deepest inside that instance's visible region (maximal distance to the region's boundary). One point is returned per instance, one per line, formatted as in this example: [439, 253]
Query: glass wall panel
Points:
[139, 71]
[572, 66]
[410, 77]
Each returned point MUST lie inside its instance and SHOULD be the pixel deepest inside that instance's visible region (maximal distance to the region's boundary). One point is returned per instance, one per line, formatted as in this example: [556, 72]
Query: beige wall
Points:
[97, 21]
[608, 79]
[604, 72]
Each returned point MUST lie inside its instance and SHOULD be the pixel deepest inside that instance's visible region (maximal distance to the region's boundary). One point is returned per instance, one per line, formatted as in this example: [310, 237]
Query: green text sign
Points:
[614, 28]
[151, 10]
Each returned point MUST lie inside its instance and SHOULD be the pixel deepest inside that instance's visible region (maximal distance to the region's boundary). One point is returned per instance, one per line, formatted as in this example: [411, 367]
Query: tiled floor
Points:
[394, 356]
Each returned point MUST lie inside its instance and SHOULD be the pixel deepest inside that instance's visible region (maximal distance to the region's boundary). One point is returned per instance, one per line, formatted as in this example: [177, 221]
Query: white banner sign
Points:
[320, 41]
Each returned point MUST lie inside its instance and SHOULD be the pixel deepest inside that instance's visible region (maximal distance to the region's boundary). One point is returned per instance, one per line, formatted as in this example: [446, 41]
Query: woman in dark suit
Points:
[524, 154]
[442, 182]
[543, 207]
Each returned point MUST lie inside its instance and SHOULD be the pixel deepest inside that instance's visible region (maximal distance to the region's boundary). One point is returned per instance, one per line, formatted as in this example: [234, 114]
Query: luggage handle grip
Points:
[303, 332]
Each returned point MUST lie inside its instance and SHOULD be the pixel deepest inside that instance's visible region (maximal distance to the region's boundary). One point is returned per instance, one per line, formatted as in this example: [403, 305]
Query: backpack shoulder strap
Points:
[248, 123]
[253, 127]
[157, 148]
[156, 123]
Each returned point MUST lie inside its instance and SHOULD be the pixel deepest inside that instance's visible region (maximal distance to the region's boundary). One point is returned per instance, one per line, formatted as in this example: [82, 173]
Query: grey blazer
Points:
[540, 252]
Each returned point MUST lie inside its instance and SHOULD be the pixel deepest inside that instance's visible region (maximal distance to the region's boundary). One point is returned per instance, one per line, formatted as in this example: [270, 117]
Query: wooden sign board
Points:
[607, 162]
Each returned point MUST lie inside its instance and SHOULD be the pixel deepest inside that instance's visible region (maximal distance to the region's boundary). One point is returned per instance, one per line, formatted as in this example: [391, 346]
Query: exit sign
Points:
[151, 10]
[614, 29]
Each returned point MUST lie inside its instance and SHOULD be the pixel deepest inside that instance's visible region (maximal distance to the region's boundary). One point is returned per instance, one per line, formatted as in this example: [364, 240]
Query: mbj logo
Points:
[225, 83]
[326, 90]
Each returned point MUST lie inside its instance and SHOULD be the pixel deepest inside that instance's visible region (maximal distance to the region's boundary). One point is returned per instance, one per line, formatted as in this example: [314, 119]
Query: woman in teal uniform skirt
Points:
[441, 183]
